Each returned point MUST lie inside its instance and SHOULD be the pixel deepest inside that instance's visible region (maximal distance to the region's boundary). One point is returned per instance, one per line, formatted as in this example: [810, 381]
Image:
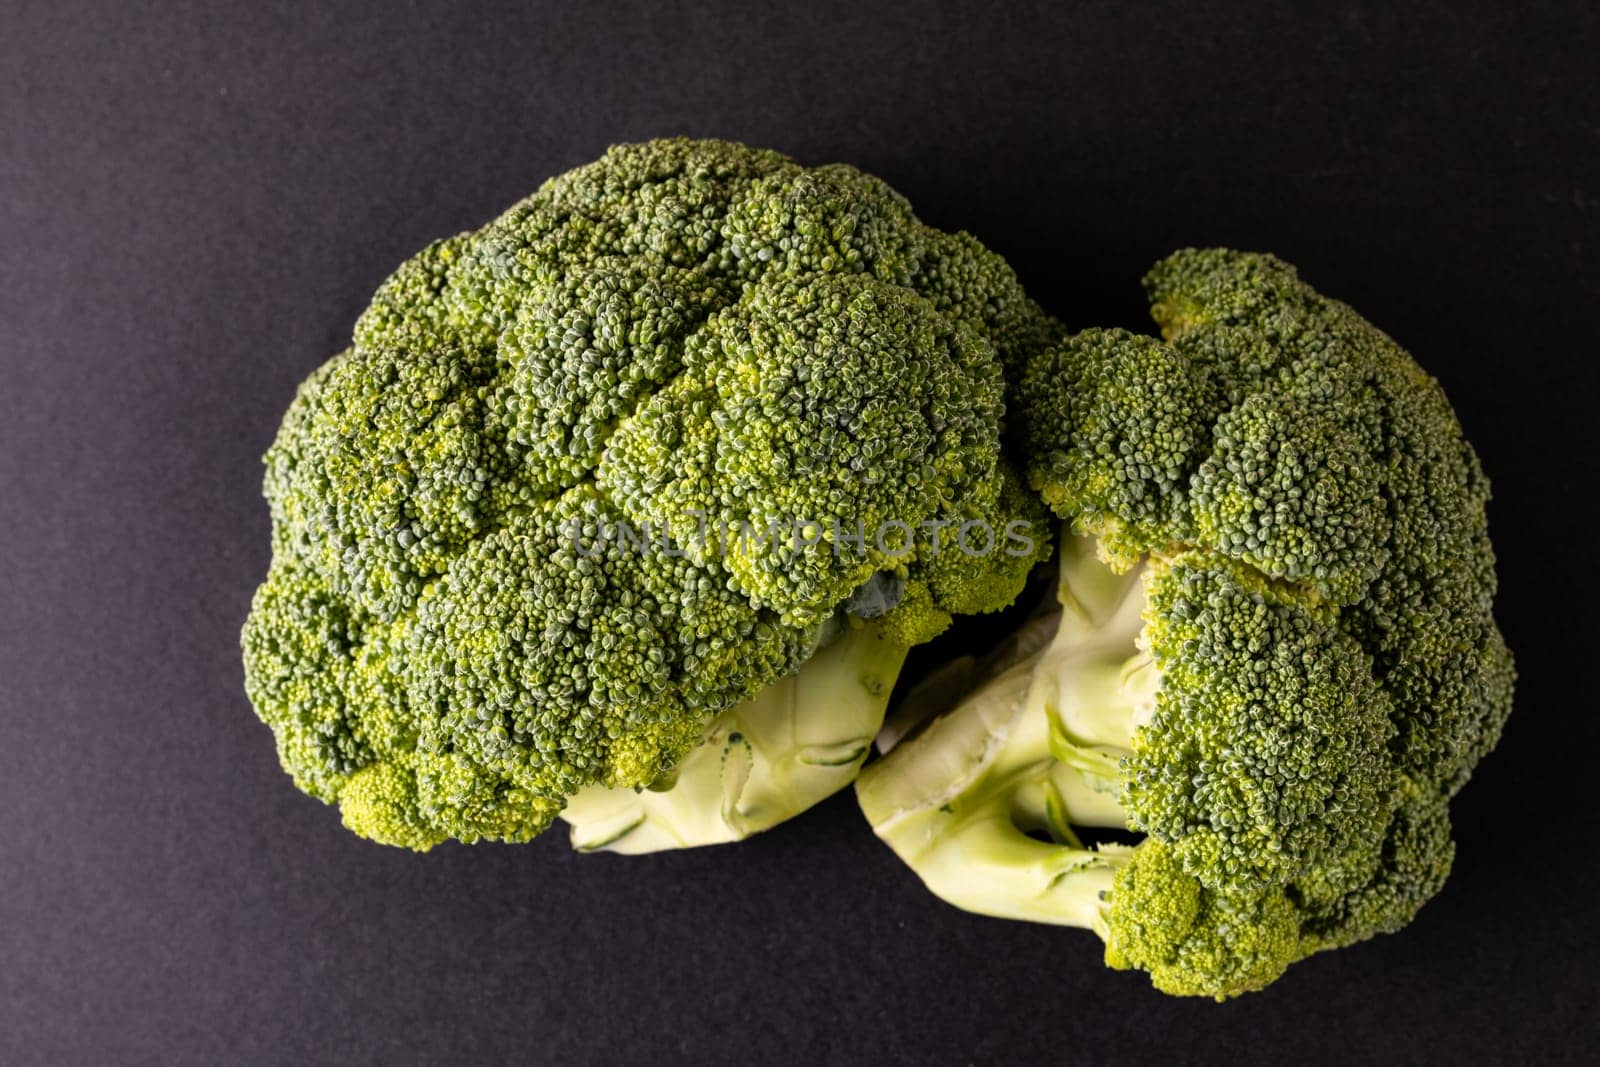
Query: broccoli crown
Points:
[473, 608]
[1319, 585]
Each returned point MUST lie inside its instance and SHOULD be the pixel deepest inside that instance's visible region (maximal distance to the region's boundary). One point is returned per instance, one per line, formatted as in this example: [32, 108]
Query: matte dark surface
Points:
[195, 204]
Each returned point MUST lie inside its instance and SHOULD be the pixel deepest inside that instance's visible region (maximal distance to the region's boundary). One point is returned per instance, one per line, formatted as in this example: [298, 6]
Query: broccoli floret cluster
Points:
[1276, 657]
[492, 582]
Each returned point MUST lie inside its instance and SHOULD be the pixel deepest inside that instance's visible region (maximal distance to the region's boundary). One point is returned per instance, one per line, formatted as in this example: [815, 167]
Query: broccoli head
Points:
[1275, 658]
[598, 483]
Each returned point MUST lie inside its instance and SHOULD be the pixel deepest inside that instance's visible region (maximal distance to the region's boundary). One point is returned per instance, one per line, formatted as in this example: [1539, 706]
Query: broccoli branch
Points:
[798, 741]
[982, 804]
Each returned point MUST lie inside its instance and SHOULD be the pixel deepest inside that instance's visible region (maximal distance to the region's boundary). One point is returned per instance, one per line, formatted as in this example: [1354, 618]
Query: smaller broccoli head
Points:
[1275, 660]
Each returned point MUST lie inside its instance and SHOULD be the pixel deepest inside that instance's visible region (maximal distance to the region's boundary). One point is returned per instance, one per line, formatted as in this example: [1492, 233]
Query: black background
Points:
[194, 206]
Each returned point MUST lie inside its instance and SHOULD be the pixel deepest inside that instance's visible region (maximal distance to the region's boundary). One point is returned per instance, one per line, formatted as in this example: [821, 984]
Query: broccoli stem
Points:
[960, 802]
[982, 804]
[797, 742]
[1095, 681]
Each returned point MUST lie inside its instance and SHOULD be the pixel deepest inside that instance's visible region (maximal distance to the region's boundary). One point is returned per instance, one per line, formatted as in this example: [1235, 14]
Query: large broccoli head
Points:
[1277, 658]
[614, 463]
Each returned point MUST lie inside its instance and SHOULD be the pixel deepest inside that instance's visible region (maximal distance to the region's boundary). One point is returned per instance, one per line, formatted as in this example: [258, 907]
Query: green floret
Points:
[487, 594]
[1325, 459]
[1114, 426]
[1194, 941]
[298, 641]
[1266, 749]
[831, 219]
[1291, 490]
[392, 467]
[628, 318]
[782, 429]
[986, 553]
[1380, 888]
[970, 283]
[1276, 658]
[436, 299]
[575, 658]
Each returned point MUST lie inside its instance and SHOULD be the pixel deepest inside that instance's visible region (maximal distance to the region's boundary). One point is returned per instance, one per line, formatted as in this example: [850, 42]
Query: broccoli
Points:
[1274, 663]
[492, 586]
